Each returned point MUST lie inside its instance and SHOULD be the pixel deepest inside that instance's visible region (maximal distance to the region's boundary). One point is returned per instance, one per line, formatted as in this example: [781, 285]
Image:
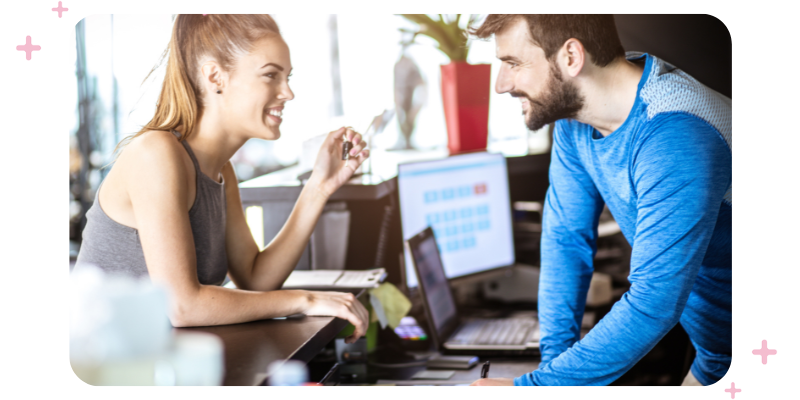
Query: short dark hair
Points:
[597, 33]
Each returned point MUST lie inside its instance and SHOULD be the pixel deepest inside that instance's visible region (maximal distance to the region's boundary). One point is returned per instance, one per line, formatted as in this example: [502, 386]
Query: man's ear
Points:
[573, 57]
[213, 77]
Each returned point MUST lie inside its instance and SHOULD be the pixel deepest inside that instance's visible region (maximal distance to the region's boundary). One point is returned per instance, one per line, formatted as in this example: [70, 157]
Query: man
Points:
[654, 145]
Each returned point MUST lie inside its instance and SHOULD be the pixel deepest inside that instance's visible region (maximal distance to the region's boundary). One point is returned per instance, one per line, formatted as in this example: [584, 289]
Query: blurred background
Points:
[344, 74]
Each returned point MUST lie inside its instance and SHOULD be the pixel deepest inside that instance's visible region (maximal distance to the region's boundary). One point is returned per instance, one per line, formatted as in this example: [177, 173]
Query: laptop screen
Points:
[438, 298]
[465, 199]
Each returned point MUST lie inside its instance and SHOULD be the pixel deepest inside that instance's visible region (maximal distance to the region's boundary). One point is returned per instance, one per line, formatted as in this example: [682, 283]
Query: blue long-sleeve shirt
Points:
[665, 175]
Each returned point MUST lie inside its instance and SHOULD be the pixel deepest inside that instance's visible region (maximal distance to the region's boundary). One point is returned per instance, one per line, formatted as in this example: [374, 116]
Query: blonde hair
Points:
[221, 37]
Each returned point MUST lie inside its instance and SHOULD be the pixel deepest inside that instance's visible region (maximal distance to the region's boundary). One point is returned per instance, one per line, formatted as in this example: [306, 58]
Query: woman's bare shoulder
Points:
[152, 143]
[155, 156]
[149, 166]
[158, 150]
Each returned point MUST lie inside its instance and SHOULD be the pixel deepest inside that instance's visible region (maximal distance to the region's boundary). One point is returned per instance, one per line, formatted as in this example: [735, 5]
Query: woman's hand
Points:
[342, 305]
[330, 171]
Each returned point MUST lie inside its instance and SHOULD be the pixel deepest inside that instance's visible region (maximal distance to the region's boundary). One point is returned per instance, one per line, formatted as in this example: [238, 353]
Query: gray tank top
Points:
[116, 248]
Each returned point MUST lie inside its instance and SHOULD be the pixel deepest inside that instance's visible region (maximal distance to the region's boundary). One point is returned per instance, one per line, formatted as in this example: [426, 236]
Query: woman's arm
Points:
[157, 182]
[267, 270]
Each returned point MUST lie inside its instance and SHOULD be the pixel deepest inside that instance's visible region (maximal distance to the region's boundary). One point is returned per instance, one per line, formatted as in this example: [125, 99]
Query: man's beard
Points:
[559, 100]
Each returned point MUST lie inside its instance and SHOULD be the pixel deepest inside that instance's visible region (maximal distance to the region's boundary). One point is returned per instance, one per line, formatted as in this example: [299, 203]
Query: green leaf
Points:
[451, 38]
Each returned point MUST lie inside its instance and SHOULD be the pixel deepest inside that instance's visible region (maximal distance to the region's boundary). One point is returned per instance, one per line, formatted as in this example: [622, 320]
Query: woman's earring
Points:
[219, 91]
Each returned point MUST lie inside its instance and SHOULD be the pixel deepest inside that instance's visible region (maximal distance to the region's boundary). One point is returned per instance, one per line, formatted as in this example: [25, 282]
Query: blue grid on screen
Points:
[456, 227]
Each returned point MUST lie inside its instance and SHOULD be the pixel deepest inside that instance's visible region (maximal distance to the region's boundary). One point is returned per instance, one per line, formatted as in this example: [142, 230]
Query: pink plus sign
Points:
[764, 352]
[60, 9]
[733, 390]
[28, 47]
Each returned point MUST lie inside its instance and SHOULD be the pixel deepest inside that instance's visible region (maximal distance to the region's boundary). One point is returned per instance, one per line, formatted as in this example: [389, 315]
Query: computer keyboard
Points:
[510, 331]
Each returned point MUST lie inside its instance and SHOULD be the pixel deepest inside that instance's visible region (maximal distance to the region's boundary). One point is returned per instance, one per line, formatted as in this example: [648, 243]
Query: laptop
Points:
[452, 333]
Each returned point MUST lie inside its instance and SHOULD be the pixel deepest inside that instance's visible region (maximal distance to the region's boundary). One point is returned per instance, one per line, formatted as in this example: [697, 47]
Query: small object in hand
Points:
[346, 147]
[485, 370]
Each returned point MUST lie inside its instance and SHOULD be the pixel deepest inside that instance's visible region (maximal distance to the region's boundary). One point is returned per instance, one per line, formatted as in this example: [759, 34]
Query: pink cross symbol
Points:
[60, 9]
[733, 390]
[764, 352]
[28, 47]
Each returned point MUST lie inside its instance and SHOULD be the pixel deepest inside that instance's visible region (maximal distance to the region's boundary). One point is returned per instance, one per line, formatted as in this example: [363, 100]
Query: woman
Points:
[170, 207]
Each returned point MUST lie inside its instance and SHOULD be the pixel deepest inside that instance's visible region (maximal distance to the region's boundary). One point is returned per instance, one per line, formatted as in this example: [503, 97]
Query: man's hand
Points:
[493, 382]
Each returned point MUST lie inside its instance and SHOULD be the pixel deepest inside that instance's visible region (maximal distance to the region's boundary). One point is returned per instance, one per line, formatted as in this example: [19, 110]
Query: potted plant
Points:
[465, 87]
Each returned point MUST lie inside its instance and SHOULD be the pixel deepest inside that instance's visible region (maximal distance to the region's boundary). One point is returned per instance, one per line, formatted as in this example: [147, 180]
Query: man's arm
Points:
[569, 234]
[681, 171]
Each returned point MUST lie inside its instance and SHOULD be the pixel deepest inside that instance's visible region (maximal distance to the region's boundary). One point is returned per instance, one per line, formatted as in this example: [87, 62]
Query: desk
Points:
[251, 346]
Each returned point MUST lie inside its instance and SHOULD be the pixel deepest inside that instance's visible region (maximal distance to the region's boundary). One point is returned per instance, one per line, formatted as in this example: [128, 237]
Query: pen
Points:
[485, 370]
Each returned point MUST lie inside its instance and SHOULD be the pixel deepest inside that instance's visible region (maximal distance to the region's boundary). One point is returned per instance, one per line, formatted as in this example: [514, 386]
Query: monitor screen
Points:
[439, 298]
[465, 200]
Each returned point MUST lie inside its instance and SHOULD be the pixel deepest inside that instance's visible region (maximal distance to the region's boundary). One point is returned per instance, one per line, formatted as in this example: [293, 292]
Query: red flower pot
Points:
[465, 97]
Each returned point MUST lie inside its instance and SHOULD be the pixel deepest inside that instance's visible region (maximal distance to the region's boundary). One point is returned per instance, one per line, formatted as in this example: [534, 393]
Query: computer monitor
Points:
[465, 200]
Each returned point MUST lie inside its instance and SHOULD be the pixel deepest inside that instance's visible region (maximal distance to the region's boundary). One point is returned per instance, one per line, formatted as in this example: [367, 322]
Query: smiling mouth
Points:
[275, 114]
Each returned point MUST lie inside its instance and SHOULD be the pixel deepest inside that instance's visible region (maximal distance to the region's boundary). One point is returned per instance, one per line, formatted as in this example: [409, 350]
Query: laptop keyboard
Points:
[510, 331]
